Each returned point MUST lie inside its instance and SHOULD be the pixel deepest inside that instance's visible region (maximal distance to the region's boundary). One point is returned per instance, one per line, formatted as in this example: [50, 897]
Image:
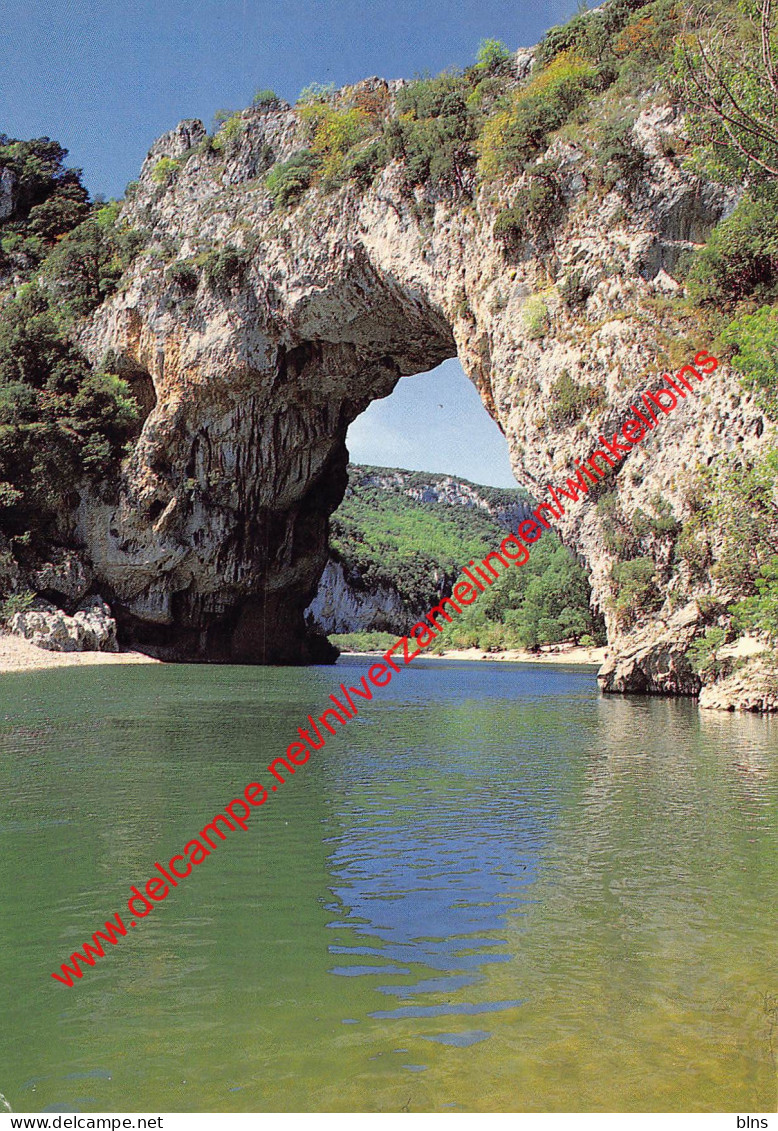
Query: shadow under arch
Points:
[220, 533]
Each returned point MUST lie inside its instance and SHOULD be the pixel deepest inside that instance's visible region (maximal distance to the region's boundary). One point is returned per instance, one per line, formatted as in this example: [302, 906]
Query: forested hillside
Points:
[414, 530]
[411, 532]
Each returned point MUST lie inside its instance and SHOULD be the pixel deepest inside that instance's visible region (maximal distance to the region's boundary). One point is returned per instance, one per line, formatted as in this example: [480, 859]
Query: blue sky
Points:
[433, 422]
[106, 77]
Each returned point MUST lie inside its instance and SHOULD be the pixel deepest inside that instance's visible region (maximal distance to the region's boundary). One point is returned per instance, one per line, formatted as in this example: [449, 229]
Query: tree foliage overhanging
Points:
[62, 421]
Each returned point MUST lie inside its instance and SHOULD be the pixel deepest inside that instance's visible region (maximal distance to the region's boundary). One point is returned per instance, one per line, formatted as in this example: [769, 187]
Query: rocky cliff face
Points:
[448, 491]
[342, 606]
[7, 185]
[217, 541]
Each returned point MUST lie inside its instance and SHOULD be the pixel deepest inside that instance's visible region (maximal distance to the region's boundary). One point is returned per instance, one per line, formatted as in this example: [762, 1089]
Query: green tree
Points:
[493, 56]
[61, 423]
[734, 511]
[266, 99]
[740, 258]
[618, 158]
[760, 611]
[520, 127]
[543, 602]
[568, 400]
[85, 267]
[725, 68]
[435, 131]
[164, 170]
[48, 201]
[220, 266]
[288, 180]
[754, 338]
[703, 654]
[637, 592]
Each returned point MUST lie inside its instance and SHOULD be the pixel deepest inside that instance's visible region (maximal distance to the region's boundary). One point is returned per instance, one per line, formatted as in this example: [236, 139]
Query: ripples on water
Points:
[494, 891]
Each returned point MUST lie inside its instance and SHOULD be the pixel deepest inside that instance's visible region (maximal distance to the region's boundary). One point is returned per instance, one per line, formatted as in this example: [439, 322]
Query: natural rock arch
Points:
[219, 535]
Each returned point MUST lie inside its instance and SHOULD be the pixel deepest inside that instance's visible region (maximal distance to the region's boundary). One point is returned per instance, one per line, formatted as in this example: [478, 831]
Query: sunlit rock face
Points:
[219, 535]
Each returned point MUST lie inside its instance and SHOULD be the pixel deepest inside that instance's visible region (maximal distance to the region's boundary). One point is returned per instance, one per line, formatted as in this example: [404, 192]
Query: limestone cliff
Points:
[342, 605]
[218, 539]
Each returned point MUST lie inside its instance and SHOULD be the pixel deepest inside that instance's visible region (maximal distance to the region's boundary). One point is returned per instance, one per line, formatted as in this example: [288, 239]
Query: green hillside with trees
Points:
[384, 536]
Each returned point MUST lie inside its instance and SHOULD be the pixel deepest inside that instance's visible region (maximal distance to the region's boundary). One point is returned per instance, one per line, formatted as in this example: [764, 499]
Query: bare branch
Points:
[713, 57]
[767, 46]
[772, 170]
[750, 122]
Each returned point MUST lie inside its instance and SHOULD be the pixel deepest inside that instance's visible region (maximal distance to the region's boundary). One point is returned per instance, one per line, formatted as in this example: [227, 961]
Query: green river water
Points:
[494, 891]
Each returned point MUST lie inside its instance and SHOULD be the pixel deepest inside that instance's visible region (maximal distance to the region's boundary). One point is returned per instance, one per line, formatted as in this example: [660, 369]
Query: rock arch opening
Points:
[434, 422]
[220, 535]
[416, 458]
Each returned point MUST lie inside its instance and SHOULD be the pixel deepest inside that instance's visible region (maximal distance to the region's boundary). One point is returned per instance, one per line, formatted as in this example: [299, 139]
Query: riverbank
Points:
[18, 655]
[550, 654]
[553, 654]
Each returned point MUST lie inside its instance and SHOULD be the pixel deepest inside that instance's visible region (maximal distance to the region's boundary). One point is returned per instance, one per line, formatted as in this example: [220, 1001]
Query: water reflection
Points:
[492, 875]
[429, 885]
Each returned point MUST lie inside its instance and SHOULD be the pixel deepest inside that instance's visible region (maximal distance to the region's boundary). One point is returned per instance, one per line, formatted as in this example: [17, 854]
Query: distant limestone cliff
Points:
[398, 542]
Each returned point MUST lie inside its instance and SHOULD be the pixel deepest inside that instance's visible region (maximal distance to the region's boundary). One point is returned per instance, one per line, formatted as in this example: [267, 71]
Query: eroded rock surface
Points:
[752, 687]
[654, 659]
[340, 605]
[219, 535]
[90, 629]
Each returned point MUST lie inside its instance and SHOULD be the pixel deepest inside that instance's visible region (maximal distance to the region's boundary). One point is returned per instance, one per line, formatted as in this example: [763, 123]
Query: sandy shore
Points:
[553, 654]
[18, 655]
[562, 654]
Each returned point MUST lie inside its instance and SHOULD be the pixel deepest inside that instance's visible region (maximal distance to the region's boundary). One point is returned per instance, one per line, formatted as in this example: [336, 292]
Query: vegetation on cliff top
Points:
[726, 73]
[48, 200]
[460, 128]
